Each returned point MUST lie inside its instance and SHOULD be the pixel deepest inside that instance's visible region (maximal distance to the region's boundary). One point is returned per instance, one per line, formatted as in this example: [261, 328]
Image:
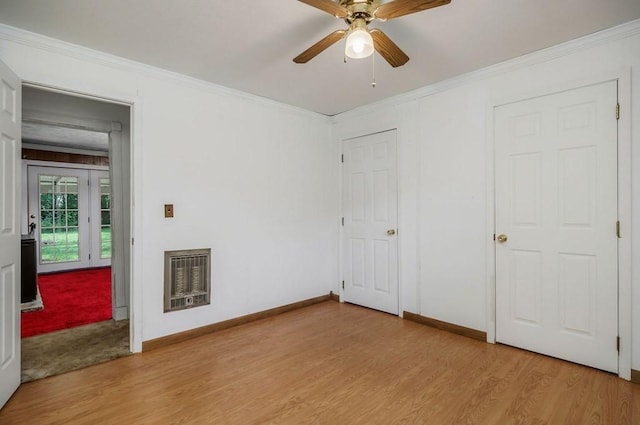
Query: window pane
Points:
[46, 201]
[105, 202]
[46, 235]
[72, 253]
[105, 218]
[105, 187]
[47, 245]
[72, 201]
[61, 201]
[46, 184]
[60, 218]
[72, 236]
[71, 185]
[105, 242]
[46, 218]
[72, 218]
[48, 254]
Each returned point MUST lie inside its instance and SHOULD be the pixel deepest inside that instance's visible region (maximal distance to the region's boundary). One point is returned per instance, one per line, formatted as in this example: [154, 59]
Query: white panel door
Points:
[10, 170]
[556, 204]
[370, 204]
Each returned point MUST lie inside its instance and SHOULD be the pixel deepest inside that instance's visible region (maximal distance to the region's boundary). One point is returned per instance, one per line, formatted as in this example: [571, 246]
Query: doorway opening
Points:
[76, 214]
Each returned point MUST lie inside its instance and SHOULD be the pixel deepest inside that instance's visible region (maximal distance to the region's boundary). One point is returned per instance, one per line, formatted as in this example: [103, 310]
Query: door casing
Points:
[134, 148]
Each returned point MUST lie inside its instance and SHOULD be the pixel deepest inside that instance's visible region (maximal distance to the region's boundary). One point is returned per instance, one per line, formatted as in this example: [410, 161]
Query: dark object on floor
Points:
[28, 269]
[34, 305]
[63, 351]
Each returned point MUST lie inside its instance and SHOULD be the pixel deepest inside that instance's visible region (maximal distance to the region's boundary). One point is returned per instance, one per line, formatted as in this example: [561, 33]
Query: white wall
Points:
[445, 163]
[250, 178]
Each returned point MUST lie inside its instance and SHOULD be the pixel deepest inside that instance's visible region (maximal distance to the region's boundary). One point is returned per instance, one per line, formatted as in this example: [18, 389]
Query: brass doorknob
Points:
[502, 238]
[391, 232]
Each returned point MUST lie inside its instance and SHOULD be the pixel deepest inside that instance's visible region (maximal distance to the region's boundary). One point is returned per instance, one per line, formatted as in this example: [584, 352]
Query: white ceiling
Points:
[51, 119]
[56, 135]
[248, 45]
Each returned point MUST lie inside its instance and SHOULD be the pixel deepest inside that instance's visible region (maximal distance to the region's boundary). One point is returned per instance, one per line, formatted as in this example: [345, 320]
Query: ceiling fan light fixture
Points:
[359, 42]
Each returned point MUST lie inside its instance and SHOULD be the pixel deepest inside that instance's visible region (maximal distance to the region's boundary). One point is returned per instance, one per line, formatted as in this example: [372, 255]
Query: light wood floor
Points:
[329, 364]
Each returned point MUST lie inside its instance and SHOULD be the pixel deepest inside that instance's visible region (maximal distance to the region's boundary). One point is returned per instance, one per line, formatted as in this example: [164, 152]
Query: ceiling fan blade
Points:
[388, 49]
[320, 46]
[397, 8]
[328, 6]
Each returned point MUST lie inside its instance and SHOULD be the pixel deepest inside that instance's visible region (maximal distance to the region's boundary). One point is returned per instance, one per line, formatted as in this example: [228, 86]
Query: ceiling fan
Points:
[361, 41]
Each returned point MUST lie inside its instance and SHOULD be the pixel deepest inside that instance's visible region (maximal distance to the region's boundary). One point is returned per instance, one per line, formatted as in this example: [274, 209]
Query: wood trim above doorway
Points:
[71, 158]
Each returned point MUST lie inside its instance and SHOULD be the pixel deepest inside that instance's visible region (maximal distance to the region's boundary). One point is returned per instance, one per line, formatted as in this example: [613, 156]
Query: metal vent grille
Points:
[187, 279]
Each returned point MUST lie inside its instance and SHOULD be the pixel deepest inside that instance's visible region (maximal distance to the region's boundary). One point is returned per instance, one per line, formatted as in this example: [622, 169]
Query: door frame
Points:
[623, 77]
[135, 104]
[399, 233]
[26, 200]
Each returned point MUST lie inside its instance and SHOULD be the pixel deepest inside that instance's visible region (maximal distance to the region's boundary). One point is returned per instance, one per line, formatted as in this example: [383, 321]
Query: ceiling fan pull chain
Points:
[373, 66]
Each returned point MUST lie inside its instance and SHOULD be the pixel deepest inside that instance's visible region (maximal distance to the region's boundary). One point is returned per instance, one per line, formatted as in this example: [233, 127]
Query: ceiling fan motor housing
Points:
[360, 10]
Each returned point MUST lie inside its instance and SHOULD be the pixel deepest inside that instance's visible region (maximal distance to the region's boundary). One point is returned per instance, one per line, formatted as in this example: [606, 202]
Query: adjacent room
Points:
[329, 211]
[68, 144]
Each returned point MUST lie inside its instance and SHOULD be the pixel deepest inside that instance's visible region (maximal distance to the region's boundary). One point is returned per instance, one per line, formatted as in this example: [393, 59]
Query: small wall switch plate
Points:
[168, 210]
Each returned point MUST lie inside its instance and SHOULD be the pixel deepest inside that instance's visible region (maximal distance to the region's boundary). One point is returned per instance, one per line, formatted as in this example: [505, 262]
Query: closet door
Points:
[556, 213]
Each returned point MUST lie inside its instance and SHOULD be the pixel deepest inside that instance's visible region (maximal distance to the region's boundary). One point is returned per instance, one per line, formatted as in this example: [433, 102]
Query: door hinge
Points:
[88, 219]
[131, 241]
[89, 256]
[342, 158]
[618, 229]
[342, 221]
[343, 284]
[617, 111]
[618, 344]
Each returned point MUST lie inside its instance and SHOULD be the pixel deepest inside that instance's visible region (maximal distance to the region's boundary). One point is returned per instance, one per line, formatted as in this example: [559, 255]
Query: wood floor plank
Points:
[329, 363]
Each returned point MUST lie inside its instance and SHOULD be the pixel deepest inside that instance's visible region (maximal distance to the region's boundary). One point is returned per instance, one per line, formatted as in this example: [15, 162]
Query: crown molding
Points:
[608, 35]
[52, 45]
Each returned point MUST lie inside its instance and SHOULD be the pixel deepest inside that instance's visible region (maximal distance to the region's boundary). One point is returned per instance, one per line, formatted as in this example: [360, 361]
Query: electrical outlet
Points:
[168, 210]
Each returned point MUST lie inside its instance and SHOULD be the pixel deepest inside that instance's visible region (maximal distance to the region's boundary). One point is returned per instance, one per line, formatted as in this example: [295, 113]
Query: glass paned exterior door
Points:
[70, 214]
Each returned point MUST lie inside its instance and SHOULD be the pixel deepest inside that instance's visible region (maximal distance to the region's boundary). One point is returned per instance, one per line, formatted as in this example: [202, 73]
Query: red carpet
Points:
[70, 299]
